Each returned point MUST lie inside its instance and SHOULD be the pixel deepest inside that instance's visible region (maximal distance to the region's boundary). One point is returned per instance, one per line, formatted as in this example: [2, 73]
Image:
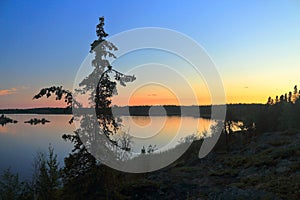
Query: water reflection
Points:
[20, 142]
[164, 132]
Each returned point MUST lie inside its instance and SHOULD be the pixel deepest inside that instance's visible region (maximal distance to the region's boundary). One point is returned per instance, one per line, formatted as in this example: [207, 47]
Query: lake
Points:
[19, 142]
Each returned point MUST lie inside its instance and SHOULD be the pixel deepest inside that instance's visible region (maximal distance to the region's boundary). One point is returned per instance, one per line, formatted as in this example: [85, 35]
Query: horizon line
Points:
[138, 106]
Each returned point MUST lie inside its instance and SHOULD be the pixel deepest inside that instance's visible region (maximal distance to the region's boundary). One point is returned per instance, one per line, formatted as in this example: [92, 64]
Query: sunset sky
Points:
[255, 46]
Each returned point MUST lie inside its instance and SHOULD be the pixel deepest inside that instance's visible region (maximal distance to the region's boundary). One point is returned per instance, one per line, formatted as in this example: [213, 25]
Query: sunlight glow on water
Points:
[20, 142]
[164, 132]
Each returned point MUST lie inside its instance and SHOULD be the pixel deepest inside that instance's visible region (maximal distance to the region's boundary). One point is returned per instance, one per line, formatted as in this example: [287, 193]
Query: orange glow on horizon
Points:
[157, 95]
[153, 95]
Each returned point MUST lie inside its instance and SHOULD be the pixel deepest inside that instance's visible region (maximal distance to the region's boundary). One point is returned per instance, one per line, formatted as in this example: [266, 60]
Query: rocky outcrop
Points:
[4, 120]
[262, 166]
[36, 121]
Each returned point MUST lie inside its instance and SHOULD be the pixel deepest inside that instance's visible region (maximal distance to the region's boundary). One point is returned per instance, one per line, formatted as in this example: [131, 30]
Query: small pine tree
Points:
[47, 175]
[10, 187]
[143, 150]
[290, 97]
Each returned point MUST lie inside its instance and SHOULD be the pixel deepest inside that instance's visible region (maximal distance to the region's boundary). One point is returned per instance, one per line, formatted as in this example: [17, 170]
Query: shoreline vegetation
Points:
[242, 165]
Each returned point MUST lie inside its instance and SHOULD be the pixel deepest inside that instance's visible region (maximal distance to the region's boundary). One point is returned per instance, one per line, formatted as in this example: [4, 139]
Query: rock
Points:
[248, 171]
[234, 193]
[282, 169]
[283, 166]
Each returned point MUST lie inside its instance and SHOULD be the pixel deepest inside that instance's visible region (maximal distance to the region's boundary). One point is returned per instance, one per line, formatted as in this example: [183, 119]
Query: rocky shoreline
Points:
[261, 166]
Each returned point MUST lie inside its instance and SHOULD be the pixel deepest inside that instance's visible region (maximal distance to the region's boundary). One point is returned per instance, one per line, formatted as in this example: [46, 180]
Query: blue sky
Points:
[255, 44]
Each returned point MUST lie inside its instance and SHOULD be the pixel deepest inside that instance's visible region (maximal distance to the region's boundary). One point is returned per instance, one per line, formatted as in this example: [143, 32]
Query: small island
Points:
[36, 121]
[4, 120]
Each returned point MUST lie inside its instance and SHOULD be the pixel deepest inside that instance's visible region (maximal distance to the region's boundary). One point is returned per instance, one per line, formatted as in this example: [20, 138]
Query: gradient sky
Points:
[254, 44]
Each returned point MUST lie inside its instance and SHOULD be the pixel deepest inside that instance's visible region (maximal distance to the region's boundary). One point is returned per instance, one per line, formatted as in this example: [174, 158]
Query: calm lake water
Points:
[20, 142]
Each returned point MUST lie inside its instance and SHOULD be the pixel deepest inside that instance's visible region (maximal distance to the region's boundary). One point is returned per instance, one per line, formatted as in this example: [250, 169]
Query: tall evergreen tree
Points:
[81, 166]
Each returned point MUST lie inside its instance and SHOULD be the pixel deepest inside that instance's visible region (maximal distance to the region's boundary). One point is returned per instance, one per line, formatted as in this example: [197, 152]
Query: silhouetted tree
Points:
[143, 150]
[228, 126]
[290, 97]
[81, 174]
[270, 101]
[285, 97]
[151, 149]
[10, 186]
[283, 114]
[281, 99]
[295, 89]
[47, 176]
[295, 94]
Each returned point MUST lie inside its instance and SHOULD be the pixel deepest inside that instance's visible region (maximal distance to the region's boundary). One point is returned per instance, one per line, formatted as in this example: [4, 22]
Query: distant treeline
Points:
[279, 114]
[169, 110]
[37, 111]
